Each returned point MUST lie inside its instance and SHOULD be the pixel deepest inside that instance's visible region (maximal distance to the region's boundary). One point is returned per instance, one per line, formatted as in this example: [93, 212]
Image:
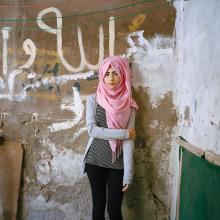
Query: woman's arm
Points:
[100, 132]
[128, 148]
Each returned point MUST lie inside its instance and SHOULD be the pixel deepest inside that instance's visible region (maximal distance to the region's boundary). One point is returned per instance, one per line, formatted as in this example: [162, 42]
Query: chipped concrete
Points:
[60, 166]
[197, 71]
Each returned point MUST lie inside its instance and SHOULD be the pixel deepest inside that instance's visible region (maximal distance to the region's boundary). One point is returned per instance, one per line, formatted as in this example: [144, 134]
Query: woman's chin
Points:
[111, 86]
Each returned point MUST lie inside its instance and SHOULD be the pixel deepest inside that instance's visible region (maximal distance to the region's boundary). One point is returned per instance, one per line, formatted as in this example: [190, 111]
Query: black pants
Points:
[99, 178]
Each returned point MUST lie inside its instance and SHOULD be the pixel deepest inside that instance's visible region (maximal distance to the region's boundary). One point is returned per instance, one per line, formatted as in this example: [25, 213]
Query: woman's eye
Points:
[107, 74]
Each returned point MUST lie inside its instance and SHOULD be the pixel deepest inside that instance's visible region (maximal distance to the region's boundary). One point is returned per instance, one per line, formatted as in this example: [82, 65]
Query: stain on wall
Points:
[152, 148]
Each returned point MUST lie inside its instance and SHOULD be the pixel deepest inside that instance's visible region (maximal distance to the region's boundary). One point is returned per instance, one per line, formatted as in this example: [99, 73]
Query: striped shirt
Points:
[100, 152]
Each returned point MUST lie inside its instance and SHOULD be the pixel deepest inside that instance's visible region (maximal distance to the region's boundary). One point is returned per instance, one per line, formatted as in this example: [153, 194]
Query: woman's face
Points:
[111, 78]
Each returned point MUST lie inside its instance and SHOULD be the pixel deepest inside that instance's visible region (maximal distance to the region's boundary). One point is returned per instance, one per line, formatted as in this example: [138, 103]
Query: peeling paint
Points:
[199, 88]
[59, 80]
[154, 124]
[153, 63]
[61, 166]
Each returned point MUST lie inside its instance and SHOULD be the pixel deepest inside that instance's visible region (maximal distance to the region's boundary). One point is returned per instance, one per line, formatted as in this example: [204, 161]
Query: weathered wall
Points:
[198, 94]
[46, 76]
[198, 81]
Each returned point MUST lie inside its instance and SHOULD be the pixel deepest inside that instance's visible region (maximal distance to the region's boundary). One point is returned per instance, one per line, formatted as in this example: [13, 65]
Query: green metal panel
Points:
[199, 188]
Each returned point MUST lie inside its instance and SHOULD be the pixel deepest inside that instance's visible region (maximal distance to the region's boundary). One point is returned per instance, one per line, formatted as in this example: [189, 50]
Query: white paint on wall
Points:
[198, 72]
[154, 124]
[174, 171]
[67, 104]
[64, 78]
[30, 49]
[31, 75]
[84, 61]
[152, 63]
[2, 85]
[44, 173]
[59, 80]
[4, 114]
[62, 125]
[111, 36]
[5, 35]
[198, 80]
[78, 133]
[58, 32]
[60, 166]
[11, 80]
[5, 96]
[34, 116]
[76, 106]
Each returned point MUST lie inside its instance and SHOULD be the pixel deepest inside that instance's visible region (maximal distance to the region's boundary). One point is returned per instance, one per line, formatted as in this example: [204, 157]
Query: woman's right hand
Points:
[131, 133]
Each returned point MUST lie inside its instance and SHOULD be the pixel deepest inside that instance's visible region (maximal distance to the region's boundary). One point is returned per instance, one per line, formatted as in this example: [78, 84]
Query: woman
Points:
[110, 118]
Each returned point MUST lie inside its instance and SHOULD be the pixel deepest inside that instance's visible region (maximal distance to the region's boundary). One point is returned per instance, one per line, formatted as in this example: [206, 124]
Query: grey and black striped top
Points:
[100, 153]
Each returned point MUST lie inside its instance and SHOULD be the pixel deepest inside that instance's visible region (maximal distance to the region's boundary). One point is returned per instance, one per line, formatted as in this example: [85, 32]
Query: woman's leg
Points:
[97, 178]
[115, 194]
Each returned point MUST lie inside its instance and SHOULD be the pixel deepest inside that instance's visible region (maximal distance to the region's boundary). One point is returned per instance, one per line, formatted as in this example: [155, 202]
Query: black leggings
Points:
[99, 178]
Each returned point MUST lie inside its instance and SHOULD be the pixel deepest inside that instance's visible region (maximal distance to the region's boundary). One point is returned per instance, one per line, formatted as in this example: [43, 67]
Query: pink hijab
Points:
[117, 102]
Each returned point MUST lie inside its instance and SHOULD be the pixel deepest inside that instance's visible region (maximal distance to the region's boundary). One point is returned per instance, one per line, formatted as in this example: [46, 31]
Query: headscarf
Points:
[117, 102]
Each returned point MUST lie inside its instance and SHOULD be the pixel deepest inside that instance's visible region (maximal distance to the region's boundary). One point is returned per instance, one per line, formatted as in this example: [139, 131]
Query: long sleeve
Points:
[128, 148]
[100, 132]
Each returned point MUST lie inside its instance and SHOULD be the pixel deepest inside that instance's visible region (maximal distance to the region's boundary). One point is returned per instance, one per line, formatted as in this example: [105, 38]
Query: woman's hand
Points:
[131, 133]
[125, 188]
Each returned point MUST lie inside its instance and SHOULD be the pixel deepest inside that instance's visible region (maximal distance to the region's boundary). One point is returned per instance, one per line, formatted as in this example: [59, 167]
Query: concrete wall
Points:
[48, 73]
[198, 73]
[197, 57]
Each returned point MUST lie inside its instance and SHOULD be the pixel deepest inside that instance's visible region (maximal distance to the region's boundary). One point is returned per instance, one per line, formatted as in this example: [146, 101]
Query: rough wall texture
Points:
[199, 52]
[198, 80]
[153, 147]
[48, 69]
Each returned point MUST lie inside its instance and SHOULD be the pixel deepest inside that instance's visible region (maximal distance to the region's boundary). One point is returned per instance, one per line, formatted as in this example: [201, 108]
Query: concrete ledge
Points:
[192, 148]
[212, 157]
[208, 154]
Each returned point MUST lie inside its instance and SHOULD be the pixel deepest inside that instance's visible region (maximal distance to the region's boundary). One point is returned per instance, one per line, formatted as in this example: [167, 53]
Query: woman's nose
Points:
[111, 76]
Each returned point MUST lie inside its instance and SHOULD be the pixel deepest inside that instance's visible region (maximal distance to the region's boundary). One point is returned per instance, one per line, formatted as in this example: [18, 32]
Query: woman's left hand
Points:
[125, 188]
